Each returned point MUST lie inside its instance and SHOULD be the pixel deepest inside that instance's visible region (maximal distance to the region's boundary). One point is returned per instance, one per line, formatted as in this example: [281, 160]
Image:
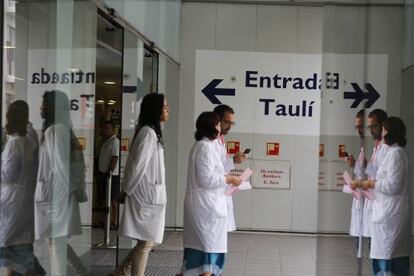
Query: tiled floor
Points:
[250, 254]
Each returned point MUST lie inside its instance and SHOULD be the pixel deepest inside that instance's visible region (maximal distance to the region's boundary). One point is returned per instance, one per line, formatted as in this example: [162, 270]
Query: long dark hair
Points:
[17, 119]
[396, 131]
[55, 109]
[150, 115]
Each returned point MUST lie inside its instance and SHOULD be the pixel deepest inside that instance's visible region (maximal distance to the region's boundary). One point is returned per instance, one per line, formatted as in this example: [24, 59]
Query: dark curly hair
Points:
[222, 109]
[206, 126]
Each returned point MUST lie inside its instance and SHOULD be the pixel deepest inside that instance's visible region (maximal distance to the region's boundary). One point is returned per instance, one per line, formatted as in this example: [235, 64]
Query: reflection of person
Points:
[205, 204]
[18, 175]
[31, 132]
[226, 115]
[391, 226]
[375, 119]
[108, 162]
[143, 186]
[60, 183]
[359, 173]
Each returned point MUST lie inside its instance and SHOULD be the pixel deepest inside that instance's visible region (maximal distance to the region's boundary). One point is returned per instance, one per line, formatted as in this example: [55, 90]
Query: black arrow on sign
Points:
[358, 95]
[372, 95]
[211, 91]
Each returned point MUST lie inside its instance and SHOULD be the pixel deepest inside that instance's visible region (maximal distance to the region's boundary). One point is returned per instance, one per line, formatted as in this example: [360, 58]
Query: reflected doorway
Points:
[109, 83]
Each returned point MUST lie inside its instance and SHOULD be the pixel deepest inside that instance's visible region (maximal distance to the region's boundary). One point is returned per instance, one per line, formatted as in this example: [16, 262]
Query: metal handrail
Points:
[107, 228]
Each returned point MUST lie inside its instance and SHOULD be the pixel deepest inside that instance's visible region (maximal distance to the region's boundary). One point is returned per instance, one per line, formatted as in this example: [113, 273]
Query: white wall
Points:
[409, 33]
[407, 114]
[253, 28]
[407, 96]
[286, 29]
[168, 81]
[158, 20]
[358, 30]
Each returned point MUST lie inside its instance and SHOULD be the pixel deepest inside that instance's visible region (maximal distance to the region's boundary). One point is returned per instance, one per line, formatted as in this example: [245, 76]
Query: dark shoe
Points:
[98, 225]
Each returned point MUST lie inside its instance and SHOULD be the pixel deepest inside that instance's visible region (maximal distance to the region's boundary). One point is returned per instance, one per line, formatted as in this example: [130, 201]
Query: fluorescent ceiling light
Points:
[9, 47]
[109, 82]
[73, 70]
[100, 101]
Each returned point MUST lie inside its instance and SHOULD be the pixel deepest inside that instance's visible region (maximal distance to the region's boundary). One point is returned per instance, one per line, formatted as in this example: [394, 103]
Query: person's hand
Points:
[239, 157]
[355, 184]
[350, 161]
[368, 184]
[120, 198]
[234, 180]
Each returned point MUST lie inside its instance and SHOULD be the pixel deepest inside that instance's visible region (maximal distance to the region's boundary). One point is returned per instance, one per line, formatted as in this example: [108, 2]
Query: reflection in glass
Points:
[18, 171]
[60, 184]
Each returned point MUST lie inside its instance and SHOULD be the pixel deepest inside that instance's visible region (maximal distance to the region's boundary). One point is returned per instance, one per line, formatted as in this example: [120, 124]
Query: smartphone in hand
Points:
[246, 151]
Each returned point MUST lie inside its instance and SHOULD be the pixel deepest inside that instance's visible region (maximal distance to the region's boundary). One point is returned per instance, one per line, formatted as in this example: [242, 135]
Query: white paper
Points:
[346, 189]
[245, 185]
[246, 174]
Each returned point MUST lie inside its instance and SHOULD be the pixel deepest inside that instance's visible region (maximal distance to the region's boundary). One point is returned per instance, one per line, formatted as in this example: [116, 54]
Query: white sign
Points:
[271, 174]
[331, 175]
[337, 170]
[77, 81]
[324, 176]
[276, 93]
[350, 73]
[270, 92]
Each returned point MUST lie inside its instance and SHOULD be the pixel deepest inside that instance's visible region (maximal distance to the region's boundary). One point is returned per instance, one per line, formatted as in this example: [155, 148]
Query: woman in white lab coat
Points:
[205, 204]
[143, 186]
[391, 225]
[18, 175]
[60, 183]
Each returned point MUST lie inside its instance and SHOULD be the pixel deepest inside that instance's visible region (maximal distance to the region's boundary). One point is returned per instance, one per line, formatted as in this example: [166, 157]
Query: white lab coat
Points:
[31, 135]
[144, 183]
[356, 213]
[371, 171]
[228, 165]
[18, 174]
[205, 204]
[60, 184]
[34, 141]
[391, 224]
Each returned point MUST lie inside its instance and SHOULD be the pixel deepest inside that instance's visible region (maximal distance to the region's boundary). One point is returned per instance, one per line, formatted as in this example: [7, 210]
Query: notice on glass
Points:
[337, 179]
[324, 176]
[271, 174]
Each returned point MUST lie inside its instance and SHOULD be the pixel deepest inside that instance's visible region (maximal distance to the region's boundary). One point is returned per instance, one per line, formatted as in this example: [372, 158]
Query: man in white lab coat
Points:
[359, 166]
[227, 121]
[375, 119]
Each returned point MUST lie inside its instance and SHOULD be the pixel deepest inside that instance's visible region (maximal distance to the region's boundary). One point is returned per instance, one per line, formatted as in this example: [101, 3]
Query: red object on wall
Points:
[233, 147]
[321, 150]
[342, 151]
[125, 145]
[272, 149]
